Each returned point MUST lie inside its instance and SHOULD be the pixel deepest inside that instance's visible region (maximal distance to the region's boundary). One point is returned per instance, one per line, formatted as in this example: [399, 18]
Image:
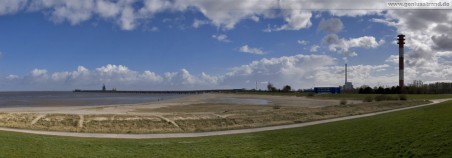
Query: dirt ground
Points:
[191, 113]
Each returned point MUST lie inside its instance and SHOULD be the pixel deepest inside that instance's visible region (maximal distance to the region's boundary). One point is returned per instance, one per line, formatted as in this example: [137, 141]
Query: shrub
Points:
[276, 107]
[380, 97]
[390, 97]
[368, 99]
[403, 97]
[385, 97]
[310, 94]
[343, 102]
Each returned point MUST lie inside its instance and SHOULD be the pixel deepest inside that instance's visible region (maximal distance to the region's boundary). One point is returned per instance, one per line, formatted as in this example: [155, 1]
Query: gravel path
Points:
[214, 133]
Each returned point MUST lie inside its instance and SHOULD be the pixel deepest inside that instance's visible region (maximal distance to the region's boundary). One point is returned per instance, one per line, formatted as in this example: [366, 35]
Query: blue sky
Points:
[46, 45]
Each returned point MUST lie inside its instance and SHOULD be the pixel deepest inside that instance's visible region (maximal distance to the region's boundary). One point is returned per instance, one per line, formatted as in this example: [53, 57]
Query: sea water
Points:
[15, 99]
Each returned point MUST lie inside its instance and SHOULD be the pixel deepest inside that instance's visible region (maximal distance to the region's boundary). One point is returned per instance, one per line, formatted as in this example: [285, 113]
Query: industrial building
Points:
[333, 90]
[348, 86]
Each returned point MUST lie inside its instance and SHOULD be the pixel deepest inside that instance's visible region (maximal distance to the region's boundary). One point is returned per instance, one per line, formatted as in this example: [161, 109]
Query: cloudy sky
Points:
[205, 44]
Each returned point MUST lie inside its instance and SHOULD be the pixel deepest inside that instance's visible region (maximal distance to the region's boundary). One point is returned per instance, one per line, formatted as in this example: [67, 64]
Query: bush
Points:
[385, 97]
[380, 97]
[310, 94]
[368, 99]
[403, 97]
[276, 107]
[343, 102]
[390, 97]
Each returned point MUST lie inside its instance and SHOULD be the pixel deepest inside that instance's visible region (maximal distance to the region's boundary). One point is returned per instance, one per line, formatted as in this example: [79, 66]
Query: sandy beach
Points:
[190, 113]
[292, 101]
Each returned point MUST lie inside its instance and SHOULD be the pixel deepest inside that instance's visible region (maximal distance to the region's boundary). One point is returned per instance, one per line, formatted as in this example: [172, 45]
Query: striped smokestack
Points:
[401, 42]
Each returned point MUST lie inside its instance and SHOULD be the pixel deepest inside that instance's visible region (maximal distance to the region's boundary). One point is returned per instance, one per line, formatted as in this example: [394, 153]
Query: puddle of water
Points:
[242, 101]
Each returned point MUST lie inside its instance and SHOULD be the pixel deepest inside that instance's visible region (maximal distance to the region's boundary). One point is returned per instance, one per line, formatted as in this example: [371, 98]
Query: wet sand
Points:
[210, 98]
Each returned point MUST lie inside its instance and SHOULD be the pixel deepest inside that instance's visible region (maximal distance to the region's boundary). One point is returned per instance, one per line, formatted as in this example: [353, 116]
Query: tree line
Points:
[272, 88]
[432, 88]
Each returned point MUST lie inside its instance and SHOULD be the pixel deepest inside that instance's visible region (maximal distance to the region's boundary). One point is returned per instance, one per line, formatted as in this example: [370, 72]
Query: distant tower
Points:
[348, 86]
[103, 88]
[345, 74]
[401, 42]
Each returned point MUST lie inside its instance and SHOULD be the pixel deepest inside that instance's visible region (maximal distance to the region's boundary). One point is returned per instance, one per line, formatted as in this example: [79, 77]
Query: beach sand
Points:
[190, 113]
[207, 98]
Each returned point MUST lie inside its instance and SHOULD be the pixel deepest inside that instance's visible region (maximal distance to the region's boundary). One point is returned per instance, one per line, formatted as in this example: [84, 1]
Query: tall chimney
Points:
[401, 42]
[345, 75]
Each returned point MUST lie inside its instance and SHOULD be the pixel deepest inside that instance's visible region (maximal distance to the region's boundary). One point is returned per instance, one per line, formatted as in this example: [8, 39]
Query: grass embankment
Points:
[363, 96]
[351, 95]
[421, 132]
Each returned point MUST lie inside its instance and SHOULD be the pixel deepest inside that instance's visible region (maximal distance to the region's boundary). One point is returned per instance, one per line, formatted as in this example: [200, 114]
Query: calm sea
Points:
[13, 99]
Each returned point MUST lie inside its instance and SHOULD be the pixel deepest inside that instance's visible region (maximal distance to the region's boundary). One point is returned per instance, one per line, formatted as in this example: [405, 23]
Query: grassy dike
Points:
[420, 132]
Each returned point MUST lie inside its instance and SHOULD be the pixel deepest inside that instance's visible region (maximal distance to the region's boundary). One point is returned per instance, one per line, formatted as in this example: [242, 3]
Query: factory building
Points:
[333, 90]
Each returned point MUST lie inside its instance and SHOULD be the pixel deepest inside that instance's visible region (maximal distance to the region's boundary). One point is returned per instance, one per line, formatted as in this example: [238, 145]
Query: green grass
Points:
[362, 96]
[420, 132]
[352, 95]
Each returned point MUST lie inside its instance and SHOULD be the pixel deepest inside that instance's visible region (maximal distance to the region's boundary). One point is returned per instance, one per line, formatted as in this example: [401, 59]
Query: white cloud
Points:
[294, 70]
[393, 59]
[39, 73]
[302, 42]
[357, 11]
[296, 20]
[251, 50]
[255, 18]
[58, 76]
[107, 9]
[114, 76]
[314, 48]
[127, 20]
[72, 11]
[198, 23]
[299, 71]
[11, 6]
[12, 77]
[128, 14]
[383, 21]
[333, 25]
[221, 38]
[226, 14]
[343, 46]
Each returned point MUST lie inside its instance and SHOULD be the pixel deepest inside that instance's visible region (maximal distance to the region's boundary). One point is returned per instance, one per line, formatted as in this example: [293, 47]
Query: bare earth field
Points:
[192, 113]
